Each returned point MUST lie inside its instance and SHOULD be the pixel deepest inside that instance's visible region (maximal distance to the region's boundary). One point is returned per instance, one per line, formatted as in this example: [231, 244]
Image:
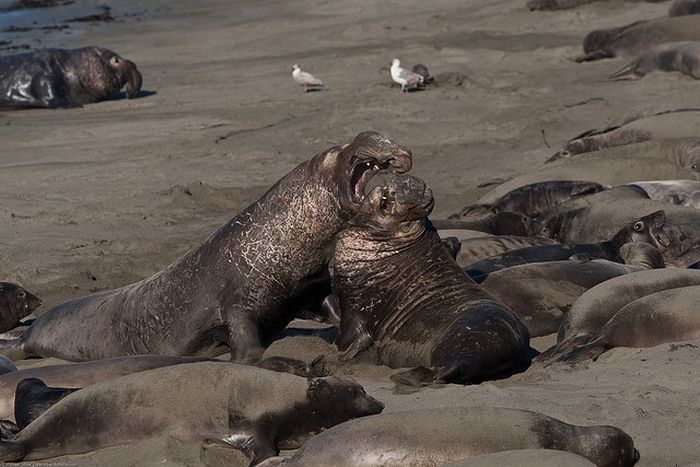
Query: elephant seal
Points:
[480, 248]
[15, 304]
[237, 289]
[540, 293]
[684, 7]
[498, 223]
[671, 56]
[664, 159]
[647, 229]
[248, 408]
[596, 306]
[403, 296]
[434, 437]
[65, 78]
[666, 316]
[675, 124]
[633, 39]
[680, 192]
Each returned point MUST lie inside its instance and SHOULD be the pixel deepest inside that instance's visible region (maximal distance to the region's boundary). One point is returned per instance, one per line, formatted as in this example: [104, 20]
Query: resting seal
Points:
[434, 437]
[248, 408]
[15, 304]
[633, 39]
[241, 286]
[65, 78]
[680, 192]
[666, 316]
[647, 230]
[540, 293]
[400, 292]
[477, 249]
[672, 56]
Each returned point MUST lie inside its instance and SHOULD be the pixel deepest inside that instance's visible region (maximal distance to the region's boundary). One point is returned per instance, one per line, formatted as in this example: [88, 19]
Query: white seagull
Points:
[302, 78]
[407, 79]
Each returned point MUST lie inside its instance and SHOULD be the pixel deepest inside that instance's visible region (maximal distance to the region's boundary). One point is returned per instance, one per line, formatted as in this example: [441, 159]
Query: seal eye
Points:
[694, 167]
[21, 294]
[383, 203]
[638, 226]
[114, 60]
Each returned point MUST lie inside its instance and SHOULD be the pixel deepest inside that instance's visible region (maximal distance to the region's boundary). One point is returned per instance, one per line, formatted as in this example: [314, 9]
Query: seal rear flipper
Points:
[583, 353]
[33, 397]
[8, 429]
[629, 71]
[415, 377]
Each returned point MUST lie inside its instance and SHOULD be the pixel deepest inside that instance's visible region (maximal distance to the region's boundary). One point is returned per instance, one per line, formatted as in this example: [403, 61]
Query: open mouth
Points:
[361, 174]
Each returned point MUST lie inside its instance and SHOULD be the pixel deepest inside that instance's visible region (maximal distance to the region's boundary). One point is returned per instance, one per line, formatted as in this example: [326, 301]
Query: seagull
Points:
[305, 79]
[407, 79]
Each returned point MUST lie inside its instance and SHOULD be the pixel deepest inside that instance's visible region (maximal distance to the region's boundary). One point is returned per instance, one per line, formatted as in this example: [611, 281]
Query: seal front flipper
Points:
[33, 397]
[8, 429]
[250, 440]
[244, 339]
[352, 337]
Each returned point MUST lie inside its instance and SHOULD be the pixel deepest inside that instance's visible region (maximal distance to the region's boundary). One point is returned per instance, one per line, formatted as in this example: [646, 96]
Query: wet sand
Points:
[101, 196]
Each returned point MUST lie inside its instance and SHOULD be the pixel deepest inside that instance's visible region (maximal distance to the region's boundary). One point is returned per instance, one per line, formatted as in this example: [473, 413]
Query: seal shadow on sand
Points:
[122, 95]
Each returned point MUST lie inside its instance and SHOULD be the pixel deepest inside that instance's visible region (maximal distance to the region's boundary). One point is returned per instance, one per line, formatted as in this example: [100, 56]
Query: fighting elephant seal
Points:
[683, 57]
[237, 289]
[540, 293]
[633, 39]
[65, 78]
[251, 409]
[403, 296]
[434, 437]
[15, 304]
[666, 316]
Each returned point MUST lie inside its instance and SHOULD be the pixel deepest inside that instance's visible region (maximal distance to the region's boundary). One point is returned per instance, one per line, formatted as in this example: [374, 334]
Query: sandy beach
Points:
[101, 196]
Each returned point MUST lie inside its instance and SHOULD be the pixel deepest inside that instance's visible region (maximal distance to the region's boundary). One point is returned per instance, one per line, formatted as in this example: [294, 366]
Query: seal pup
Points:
[237, 289]
[422, 70]
[305, 79]
[684, 7]
[647, 229]
[402, 295]
[671, 56]
[432, 437]
[666, 316]
[407, 79]
[65, 78]
[248, 408]
[540, 293]
[633, 39]
[15, 304]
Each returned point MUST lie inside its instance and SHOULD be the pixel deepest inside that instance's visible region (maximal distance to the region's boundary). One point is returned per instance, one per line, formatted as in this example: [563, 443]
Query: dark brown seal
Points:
[15, 304]
[240, 287]
[252, 409]
[65, 78]
[402, 295]
[432, 437]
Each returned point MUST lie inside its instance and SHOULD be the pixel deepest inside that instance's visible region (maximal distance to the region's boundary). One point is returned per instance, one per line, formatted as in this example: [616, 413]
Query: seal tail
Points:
[628, 71]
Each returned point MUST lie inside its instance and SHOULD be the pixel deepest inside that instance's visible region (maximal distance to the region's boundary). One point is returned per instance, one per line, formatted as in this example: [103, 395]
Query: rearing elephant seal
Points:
[65, 78]
[433, 437]
[239, 288]
[401, 292]
[251, 409]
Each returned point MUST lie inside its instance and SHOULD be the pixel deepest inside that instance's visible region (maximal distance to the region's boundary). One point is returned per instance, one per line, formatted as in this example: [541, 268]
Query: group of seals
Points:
[237, 289]
[401, 293]
[65, 78]
[255, 410]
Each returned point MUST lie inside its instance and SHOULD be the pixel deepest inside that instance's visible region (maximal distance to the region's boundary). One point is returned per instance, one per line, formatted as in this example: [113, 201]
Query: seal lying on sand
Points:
[434, 437]
[251, 409]
[665, 159]
[634, 39]
[666, 125]
[241, 286]
[477, 249]
[15, 304]
[65, 78]
[684, 7]
[680, 192]
[672, 56]
[563, 4]
[401, 293]
[647, 230]
[540, 293]
[666, 316]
